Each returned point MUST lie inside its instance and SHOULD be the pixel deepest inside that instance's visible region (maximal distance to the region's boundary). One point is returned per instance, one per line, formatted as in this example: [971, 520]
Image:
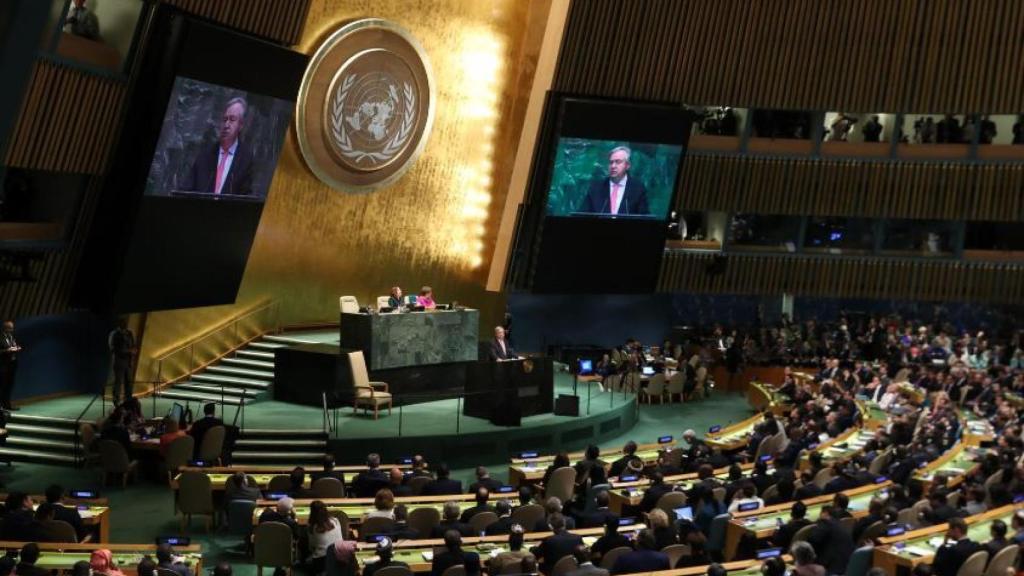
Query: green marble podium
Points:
[399, 340]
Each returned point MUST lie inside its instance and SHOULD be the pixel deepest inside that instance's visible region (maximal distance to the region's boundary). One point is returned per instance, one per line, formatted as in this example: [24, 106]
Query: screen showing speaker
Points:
[612, 178]
[218, 142]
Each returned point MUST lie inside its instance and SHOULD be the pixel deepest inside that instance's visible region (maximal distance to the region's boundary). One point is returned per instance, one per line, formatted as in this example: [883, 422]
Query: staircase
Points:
[247, 373]
[280, 447]
[39, 439]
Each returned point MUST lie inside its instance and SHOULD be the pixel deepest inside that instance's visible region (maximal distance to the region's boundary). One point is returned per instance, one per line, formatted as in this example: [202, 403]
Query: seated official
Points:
[284, 512]
[297, 481]
[426, 298]
[395, 300]
[369, 481]
[748, 495]
[654, 492]
[203, 425]
[240, 487]
[165, 561]
[584, 566]
[420, 467]
[385, 555]
[450, 522]
[610, 540]
[832, 542]
[397, 486]
[504, 522]
[384, 505]
[401, 529]
[999, 540]
[665, 533]
[646, 557]
[590, 468]
[145, 567]
[483, 479]
[560, 543]
[69, 514]
[28, 557]
[452, 555]
[328, 471]
[618, 466]
[783, 535]
[806, 561]
[482, 496]
[553, 506]
[19, 521]
[513, 556]
[322, 531]
[114, 428]
[955, 550]
[171, 433]
[443, 484]
[501, 348]
[600, 515]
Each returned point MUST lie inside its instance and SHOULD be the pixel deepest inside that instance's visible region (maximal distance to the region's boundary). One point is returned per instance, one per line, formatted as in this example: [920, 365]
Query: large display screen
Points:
[606, 178]
[218, 142]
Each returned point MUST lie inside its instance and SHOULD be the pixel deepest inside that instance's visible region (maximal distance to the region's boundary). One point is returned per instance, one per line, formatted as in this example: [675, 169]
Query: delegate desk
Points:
[95, 513]
[399, 340]
[898, 555]
[631, 493]
[761, 523]
[356, 508]
[263, 474]
[956, 463]
[62, 557]
[531, 470]
[418, 554]
[734, 437]
[504, 392]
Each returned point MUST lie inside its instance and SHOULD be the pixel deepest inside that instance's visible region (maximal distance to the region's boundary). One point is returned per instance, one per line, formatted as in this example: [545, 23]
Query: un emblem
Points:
[365, 106]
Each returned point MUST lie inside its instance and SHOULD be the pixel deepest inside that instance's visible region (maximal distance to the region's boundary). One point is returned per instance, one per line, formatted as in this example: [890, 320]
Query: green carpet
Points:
[144, 510]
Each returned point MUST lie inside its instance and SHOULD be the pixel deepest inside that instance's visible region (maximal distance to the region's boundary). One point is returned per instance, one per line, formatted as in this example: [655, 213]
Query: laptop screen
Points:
[747, 506]
[586, 367]
[648, 371]
[684, 513]
[768, 553]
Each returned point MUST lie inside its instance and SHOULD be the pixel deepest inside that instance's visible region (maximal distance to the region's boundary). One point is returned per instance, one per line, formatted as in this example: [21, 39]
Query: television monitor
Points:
[176, 412]
[748, 506]
[586, 367]
[664, 439]
[768, 553]
[648, 370]
[613, 178]
[173, 540]
[218, 142]
[84, 494]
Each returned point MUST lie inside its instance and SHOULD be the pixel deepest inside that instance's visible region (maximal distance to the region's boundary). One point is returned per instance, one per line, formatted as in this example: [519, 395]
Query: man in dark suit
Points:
[998, 541]
[401, 529]
[832, 542]
[645, 558]
[328, 471]
[501, 349]
[397, 487]
[202, 426]
[27, 564]
[452, 555]
[450, 521]
[443, 484]
[482, 495]
[618, 193]
[655, 491]
[783, 536]
[368, 482]
[560, 543]
[955, 549]
[584, 567]
[9, 349]
[599, 516]
[69, 514]
[504, 523]
[484, 480]
[628, 452]
[227, 167]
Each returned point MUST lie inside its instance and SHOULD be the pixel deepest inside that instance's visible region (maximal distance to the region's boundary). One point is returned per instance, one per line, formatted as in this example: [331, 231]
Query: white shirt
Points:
[616, 202]
[227, 163]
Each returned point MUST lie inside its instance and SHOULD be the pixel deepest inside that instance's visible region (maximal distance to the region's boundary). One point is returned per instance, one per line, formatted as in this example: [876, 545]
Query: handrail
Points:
[211, 331]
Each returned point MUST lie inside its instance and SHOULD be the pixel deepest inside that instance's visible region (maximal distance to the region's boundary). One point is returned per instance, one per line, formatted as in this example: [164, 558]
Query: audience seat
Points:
[61, 531]
[279, 483]
[974, 565]
[213, 445]
[675, 386]
[327, 487]
[528, 515]
[367, 394]
[860, 561]
[608, 560]
[423, 520]
[481, 520]
[564, 565]
[195, 496]
[561, 484]
[115, 461]
[1003, 561]
[348, 305]
[375, 525]
[457, 570]
[416, 484]
[675, 552]
[273, 547]
[179, 452]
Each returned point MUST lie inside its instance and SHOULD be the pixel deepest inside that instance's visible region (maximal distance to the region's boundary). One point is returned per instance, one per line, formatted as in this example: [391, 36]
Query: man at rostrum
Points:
[618, 193]
[501, 349]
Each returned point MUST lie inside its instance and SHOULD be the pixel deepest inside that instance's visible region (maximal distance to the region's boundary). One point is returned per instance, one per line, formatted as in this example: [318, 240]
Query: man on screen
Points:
[619, 193]
[227, 167]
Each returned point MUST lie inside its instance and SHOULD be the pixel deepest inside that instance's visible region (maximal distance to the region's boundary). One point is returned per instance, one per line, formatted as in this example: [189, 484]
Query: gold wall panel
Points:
[433, 226]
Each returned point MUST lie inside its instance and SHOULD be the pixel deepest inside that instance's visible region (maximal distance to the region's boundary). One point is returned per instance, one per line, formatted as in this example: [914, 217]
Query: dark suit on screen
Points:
[202, 176]
[598, 198]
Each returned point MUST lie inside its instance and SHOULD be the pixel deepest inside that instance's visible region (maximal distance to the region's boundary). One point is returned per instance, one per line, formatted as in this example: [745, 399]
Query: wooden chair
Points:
[608, 560]
[804, 533]
[564, 565]
[179, 452]
[457, 570]
[367, 394]
[213, 445]
[195, 496]
[974, 565]
[675, 387]
[561, 484]
[327, 487]
[115, 461]
[668, 503]
[61, 531]
[416, 484]
[376, 525]
[527, 516]
[273, 547]
[655, 388]
[481, 520]
[423, 520]
[279, 483]
[1004, 559]
[675, 552]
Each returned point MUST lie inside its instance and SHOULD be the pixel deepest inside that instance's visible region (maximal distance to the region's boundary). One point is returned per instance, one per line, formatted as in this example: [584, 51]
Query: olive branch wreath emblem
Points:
[393, 146]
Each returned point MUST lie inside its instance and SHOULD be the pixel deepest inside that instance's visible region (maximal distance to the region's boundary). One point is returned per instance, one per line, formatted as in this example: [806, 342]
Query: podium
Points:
[504, 392]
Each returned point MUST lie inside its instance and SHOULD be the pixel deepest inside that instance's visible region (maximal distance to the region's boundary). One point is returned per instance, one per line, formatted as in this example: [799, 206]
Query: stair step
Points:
[285, 340]
[34, 430]
[257, 354]
[42, 444]
[215, 390]
[25, 455]
[271, 346]
[198, 397]
[284, 443]
[243, 372]
[249, 363]
[230, 380]
[40, 420]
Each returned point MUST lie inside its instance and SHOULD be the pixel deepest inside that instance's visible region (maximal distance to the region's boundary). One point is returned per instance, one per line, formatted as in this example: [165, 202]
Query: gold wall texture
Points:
[436, 224]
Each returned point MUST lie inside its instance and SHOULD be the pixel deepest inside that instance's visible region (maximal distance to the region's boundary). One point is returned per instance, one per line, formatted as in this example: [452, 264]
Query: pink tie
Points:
[220, 170]
[615, 198]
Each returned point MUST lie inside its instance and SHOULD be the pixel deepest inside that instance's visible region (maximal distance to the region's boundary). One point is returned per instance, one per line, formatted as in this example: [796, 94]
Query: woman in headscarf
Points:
[102, 562]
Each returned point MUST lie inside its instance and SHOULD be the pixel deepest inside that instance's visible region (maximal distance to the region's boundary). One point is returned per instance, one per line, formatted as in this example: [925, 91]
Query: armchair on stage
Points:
[367, 394]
